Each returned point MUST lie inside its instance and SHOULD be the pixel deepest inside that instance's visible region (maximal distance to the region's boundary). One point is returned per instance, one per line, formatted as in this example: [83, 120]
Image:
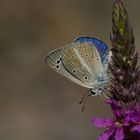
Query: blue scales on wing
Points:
[100, 45]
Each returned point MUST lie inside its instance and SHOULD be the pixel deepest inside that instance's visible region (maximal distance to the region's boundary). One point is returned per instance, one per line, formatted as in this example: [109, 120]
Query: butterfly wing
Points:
[100, 45]
[83, 61]
[54, 61]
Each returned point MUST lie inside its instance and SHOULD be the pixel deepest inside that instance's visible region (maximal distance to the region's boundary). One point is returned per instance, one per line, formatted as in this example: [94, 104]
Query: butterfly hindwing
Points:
[82, 60]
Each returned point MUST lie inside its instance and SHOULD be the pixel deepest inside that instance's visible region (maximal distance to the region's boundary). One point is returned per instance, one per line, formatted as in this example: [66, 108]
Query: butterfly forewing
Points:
[54, 61]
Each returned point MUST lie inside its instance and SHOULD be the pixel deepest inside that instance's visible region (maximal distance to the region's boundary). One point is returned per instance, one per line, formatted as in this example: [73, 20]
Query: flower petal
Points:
[119, 134]
[135, 119]
[106, 135]
[127, 119]
[115, 107]
[136, 128]
[102, 122]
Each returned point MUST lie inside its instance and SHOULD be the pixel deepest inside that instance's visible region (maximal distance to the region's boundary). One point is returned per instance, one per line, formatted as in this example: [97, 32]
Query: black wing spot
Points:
[74, 71]
[58, 61]
[57, 66]
[97, 58]
[86, 55]
[86, 78]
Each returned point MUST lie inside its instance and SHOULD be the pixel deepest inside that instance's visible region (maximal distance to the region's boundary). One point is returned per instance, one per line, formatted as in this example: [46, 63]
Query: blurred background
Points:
[35, 102]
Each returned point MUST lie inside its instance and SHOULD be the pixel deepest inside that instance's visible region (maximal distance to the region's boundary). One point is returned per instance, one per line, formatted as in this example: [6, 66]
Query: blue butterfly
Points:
[85, 62]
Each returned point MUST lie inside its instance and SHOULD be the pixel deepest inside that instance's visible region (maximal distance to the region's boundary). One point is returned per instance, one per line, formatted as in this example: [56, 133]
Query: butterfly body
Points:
[85, 62]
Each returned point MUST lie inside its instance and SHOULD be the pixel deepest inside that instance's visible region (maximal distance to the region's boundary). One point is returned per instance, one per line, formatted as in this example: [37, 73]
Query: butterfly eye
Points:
[93, 93]
[86, 78]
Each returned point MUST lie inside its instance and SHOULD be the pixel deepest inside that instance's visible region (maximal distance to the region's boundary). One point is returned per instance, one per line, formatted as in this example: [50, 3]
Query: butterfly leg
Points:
[83, 100]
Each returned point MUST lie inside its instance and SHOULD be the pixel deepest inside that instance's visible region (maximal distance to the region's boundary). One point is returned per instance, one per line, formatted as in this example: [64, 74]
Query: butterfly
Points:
[84, 61]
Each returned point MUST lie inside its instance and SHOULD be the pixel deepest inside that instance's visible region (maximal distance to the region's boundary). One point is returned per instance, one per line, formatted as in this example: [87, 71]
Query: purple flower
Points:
[124, 90]
[125, 120]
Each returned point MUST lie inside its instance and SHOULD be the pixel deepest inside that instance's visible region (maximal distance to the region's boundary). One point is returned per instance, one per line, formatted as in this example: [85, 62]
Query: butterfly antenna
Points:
[83, 100]
[85, 94]
[84, 103]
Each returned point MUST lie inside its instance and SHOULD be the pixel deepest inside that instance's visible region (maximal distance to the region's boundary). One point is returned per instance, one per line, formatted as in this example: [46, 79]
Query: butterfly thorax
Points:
[99, 87]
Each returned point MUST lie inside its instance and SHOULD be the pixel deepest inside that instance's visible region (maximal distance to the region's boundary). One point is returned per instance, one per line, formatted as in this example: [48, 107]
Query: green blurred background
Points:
[35, 102]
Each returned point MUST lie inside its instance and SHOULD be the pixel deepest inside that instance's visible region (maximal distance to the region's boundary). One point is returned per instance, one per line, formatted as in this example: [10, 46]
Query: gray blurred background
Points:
[35, 102]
